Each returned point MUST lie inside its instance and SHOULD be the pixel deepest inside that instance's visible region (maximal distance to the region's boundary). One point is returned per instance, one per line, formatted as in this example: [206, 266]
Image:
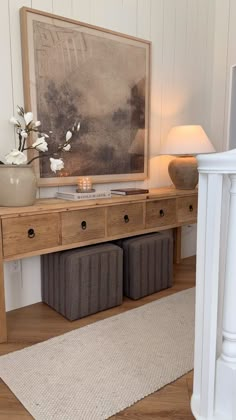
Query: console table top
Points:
[57, 204]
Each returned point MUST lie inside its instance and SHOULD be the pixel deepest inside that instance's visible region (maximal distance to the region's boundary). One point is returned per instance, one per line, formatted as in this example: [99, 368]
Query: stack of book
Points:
[130, 191]
[74, 196]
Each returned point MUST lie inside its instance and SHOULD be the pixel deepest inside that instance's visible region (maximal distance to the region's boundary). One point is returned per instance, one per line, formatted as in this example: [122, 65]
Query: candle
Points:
[84, 184]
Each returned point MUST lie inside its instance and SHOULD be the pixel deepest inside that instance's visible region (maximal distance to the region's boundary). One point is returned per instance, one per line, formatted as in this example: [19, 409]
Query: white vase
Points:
[18, 185]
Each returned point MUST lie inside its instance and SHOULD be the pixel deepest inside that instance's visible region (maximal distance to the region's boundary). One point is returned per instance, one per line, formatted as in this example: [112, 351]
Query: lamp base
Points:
[183, 172]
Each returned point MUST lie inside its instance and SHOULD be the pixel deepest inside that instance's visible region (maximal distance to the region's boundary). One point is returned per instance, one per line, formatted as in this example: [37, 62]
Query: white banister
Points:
[226, 364]
[216, 286]
[229, 311]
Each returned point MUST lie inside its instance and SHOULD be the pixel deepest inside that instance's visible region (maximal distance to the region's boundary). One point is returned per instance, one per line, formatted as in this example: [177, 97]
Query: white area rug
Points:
[98, 370]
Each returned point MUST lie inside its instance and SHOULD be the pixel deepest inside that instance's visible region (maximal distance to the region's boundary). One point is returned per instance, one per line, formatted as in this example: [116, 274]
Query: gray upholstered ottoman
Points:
[148, 264]
[83, 281]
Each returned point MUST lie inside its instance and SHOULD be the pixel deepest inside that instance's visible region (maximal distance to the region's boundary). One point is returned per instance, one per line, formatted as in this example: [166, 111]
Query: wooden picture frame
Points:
[73, 71]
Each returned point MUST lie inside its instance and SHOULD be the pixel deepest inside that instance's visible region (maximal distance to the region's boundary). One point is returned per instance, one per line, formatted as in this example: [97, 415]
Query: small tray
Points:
[85, 191]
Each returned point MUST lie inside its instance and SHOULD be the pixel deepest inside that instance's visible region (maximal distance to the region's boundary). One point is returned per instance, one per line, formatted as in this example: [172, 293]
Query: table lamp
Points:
[185, 141]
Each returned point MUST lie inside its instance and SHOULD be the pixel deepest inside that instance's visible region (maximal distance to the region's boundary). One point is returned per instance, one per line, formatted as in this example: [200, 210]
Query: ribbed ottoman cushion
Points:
[83, 281]
[148, 264]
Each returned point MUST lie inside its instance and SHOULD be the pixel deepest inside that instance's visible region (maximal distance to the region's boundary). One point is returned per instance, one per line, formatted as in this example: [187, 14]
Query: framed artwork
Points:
[75, 72]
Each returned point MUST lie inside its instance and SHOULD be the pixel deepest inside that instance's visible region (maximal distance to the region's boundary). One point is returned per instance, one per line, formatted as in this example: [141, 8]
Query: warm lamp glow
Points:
[185, 141]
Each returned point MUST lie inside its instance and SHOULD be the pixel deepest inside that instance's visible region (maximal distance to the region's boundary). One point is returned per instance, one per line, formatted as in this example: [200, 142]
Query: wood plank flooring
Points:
[36, 323]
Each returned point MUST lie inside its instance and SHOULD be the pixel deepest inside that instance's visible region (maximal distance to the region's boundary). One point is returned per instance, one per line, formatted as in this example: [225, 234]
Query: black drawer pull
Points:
[83, 225]
[191, 208]
[31, 233]
[126, 218]
[162, 213]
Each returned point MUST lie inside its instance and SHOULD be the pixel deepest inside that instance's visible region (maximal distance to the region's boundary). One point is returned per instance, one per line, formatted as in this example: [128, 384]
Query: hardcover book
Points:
[82, 196]
[129, 191]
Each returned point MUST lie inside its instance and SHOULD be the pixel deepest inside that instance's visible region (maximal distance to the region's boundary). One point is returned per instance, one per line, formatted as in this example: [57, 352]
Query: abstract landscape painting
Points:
[78, 73]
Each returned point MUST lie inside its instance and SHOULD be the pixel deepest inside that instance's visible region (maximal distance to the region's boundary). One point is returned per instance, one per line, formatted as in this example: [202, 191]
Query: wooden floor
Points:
[38, 322]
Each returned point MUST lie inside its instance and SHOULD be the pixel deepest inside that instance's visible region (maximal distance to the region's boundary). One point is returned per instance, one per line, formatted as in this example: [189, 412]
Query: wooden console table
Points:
[55, 225]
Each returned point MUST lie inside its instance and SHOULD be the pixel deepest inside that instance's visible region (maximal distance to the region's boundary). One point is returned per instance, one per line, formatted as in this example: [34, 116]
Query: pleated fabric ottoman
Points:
[83, 281]
[148, 264]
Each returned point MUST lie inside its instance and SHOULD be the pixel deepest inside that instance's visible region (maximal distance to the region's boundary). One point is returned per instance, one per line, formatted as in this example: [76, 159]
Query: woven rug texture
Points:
[96, 371]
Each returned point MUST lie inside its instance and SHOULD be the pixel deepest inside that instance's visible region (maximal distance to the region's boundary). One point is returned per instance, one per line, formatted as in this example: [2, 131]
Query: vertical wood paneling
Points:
[220, 71]
[224, 59]
[191, 59]
[231, 60]
[107, 13]
[81, 10]
[143, 19]
[6, 103]
[129, 17]
[205, 47]
[179, 94]
[16, 57]
[168, 48]
[45, 5]
[62, 7]
[200, 62]
[209, 66]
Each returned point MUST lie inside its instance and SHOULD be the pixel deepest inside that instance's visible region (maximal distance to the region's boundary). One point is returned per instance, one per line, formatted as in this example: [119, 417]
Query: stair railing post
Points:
[214, 391]
[226, 364]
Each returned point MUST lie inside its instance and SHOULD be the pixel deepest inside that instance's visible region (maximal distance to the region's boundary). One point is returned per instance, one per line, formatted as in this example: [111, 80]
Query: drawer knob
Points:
[162, 213]
[126, 218]
[31, 233]
[191, 208]
[83, 224]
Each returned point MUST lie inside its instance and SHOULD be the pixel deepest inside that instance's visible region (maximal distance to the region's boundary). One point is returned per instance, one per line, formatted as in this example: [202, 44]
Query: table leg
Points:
[177, 245]
[3, 322]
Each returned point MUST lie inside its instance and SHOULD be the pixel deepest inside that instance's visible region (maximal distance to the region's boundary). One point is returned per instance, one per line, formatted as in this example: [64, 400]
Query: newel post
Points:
[226, 364]
[214, 391]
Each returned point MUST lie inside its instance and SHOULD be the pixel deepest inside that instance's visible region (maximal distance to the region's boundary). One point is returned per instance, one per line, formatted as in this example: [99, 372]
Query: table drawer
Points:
[160, 213]
[30, 233]
[186, 208]
[125, 218]
[83, 225]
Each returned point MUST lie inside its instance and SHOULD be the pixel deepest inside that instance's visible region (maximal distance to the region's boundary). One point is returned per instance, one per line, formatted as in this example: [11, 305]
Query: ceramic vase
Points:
[18, 185]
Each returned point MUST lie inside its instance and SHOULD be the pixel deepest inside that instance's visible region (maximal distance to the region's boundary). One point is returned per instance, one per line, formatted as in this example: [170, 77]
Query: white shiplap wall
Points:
[224, 59]
[181, 32]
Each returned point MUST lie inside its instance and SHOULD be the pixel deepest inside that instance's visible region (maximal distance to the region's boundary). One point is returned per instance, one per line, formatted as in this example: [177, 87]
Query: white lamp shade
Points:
[187, 140]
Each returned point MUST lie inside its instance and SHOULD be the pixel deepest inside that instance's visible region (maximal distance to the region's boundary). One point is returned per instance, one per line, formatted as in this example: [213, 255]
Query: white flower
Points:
[23, 134]
[40, 144]
[68, 135]
[16, 157]
[67, 148]
[28, 117]
[23, 127]
[14, 121]
[56, 164]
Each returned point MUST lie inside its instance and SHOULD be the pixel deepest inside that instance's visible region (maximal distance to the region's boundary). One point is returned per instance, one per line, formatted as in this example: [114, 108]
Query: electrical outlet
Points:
[15, 266]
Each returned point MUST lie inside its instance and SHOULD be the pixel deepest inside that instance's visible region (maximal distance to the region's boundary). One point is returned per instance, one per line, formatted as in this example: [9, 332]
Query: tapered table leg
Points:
[3, 323]
[177, 245]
